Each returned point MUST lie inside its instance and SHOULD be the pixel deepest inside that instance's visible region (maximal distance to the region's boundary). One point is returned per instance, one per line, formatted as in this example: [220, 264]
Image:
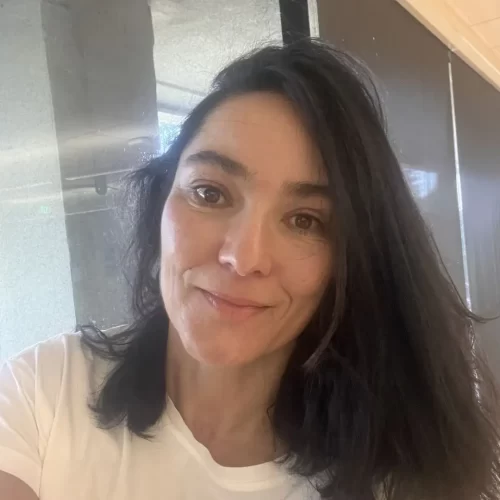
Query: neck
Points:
[227, 408]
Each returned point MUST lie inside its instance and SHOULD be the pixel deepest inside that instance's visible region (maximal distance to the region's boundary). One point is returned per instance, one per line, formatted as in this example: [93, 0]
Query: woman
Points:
[295, 337]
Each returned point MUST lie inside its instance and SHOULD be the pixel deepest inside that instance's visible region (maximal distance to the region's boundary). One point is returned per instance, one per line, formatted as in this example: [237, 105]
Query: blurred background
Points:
[90, 89]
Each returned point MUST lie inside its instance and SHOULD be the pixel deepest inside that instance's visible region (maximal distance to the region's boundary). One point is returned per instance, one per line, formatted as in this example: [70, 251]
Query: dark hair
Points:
[384, 391]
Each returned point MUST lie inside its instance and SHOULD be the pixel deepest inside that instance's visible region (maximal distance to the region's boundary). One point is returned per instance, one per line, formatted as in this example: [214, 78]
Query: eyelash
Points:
[194, 193]
[320, 227]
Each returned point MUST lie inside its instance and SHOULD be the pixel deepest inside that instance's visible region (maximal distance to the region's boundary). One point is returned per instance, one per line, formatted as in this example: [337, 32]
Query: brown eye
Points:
[306, 224]
[209, 194]
[303, 222]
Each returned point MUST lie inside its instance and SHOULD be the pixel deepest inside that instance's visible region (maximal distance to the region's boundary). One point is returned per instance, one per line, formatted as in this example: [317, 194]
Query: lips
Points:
[232, 308]
[235, 301]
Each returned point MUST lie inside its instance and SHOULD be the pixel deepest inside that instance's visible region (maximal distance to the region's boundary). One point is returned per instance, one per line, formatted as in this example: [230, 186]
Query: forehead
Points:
[265, 133]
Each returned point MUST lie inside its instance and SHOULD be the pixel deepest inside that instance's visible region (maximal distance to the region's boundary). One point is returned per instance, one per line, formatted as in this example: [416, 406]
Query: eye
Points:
[208, 195]
[306, 223]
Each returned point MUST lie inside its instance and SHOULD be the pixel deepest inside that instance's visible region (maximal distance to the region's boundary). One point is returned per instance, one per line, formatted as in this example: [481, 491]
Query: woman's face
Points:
[244, 253]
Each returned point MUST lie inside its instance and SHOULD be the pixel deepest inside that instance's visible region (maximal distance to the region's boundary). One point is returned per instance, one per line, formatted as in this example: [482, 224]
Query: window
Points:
[89, 92]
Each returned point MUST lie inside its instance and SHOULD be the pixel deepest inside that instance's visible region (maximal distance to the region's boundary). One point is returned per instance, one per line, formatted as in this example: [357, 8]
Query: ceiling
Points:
[471, 28]
[483, 17]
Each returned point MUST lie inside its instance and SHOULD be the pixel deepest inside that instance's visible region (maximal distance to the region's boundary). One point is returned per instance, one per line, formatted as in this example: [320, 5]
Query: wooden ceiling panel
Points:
[490, 31]
[476, 11]
[446, 19]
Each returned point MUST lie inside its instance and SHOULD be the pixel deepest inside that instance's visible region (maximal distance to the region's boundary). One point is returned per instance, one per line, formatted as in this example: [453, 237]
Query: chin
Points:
[219, 354]
[217, 358]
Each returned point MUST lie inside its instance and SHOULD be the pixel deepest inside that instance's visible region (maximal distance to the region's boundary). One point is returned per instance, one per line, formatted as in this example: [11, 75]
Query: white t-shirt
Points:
[49, 440]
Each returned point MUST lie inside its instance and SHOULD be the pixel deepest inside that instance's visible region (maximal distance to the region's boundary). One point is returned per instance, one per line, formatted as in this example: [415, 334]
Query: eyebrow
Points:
[307, 190]
[301, 189]
[216, 159]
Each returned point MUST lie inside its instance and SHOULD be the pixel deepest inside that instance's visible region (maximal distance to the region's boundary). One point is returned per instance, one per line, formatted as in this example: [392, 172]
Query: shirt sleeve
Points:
[19, 432]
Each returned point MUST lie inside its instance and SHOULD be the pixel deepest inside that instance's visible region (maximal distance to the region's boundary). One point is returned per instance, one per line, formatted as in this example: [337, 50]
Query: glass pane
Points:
[477, 106]
[413, 78]
[89, 90]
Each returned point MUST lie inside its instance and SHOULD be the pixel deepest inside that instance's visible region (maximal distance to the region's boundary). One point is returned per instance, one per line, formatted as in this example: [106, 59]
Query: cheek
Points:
[176, 254]
[306, 277]
[187, 242]
[180, 230]
[172, 232]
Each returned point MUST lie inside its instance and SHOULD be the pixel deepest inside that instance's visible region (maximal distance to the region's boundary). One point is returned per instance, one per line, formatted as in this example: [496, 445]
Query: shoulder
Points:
[64, 342]
[48, 358]
[34, 389]
[51, 383]
[52, 367]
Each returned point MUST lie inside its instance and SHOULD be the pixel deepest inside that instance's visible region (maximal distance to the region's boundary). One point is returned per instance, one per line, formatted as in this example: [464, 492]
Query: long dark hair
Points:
[384, 391]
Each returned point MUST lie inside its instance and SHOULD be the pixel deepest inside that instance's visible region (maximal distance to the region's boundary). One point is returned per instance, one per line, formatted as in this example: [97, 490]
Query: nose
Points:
[247, 246]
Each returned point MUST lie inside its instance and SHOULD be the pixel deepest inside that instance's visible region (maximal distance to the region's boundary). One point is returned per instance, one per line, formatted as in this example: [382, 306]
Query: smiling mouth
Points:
[235, 301]
[235, 308]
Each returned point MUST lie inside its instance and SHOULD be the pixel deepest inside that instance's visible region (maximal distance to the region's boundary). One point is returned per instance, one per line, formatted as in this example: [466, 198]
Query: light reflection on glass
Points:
[169, 126]
[422, 182]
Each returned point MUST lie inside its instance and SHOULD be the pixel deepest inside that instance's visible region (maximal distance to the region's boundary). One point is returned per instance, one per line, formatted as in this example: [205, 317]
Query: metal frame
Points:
[294, 20]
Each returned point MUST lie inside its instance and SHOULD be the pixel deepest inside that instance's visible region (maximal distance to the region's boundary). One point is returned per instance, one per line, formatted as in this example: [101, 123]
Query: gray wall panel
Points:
[477, 105]
[411, 69]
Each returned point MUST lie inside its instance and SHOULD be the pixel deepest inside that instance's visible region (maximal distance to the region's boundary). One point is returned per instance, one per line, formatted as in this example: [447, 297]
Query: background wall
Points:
[102, 76]
[36, 294]
[444, 122]
[411, 69]
[477, 106]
